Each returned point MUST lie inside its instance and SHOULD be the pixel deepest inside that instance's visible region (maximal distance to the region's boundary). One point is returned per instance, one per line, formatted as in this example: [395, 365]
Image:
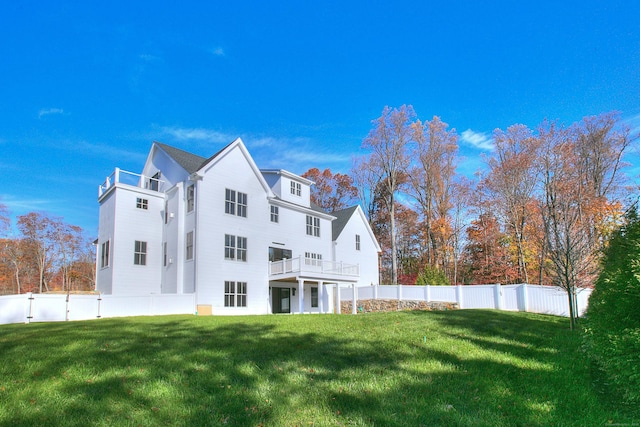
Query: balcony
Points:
[311, 268]
[129, 178]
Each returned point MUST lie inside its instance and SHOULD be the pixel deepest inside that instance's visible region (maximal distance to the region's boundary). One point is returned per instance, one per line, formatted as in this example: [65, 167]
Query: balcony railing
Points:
[314, 266]
[130, 178]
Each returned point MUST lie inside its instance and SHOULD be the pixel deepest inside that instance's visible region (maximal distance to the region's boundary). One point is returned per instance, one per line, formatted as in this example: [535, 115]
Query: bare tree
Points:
[39, 231]
[387, 142]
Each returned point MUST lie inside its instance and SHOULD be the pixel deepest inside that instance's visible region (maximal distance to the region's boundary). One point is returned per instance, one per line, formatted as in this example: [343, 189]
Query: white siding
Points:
[366, 257]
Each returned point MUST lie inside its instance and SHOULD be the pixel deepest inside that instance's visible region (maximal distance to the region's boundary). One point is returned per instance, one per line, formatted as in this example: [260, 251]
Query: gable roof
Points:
[188, 161]
[342, 218]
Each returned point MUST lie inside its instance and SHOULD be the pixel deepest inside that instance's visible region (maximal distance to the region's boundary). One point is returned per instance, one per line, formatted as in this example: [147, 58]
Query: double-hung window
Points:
[313, 226]
[275, 214]
[312, 259]
[357, 242]
[235, 203]
[140, 253]
[296, 188]
[235, 294]
[191, 198]
[104, 254]
[235, 247]
[189, 246]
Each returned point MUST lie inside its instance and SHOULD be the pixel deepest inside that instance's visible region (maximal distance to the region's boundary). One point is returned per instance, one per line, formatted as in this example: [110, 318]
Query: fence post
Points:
[354, 308]
[497, 296]
[29, 308]
[399, 289]
[375, 291]
[525, 297]
[427, 293]
[459, 296]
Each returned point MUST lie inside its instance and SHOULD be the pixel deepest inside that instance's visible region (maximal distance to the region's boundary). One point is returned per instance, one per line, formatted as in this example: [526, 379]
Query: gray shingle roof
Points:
[190, 162]
[342, 218]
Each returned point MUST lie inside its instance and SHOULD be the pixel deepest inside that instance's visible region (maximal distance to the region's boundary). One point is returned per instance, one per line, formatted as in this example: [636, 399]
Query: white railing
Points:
[130, 178]
[312, 265]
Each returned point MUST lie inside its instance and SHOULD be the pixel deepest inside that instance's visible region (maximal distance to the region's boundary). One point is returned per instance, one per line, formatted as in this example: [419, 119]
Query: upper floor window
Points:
[191, 198]
[313, 226]
[104, 254]
[235, 247]
[142, 203]
[189, 245]
[154, 182]
[312, 259]
[357, 242]
[140, 253]
[296, 188]
[235, 203]
[164, 254]
[275, 215]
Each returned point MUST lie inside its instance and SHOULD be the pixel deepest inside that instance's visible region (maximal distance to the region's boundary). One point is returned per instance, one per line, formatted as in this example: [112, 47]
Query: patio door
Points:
[281, 300]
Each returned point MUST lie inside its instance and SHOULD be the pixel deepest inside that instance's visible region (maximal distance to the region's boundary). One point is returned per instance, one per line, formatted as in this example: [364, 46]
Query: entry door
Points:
[281, 300]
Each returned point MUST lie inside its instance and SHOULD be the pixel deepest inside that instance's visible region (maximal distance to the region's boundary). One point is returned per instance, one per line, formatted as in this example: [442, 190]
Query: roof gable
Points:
[188, 161]
[344, 216]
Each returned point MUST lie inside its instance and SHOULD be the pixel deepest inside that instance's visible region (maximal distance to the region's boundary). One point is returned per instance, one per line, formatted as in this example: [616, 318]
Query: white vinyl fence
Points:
[523, 297]
[26, 308]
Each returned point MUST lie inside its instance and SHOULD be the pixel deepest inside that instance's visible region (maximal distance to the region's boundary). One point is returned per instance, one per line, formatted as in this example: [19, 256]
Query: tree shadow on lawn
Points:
[196, 371]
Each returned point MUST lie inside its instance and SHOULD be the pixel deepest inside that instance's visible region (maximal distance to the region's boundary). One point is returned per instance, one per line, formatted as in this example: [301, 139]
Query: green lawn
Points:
[466, 368]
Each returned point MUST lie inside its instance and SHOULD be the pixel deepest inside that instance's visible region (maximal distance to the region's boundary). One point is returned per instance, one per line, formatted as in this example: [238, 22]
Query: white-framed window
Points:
[235, 247]
[189, 246]
[314, 297]
[166, 212]
[296, 188]
[357, 242]
[140, 253]
[235, 294]
[275, 214]
[104, 254]
[313, 226]
[235, 203]
[142, 203]
[191, 198]
[311, 258]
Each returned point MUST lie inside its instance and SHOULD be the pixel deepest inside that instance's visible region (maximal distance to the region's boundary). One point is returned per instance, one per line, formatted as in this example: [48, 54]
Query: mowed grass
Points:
[454, 368]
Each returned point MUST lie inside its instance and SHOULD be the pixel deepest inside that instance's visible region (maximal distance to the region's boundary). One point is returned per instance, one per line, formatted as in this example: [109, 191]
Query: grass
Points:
[465, 368]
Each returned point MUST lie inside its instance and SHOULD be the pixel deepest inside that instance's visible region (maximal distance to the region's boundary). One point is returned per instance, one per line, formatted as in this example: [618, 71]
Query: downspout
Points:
[195, 178]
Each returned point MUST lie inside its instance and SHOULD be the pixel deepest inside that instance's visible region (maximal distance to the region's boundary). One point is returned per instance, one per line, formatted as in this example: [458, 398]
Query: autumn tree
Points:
[388, 161]
[332, 192]
[580, 168]
[511, 181]
[40, 232]
[430, 183]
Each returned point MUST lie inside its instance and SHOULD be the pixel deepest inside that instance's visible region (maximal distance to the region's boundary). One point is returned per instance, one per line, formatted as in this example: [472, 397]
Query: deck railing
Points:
[312, 265]
[130, 178]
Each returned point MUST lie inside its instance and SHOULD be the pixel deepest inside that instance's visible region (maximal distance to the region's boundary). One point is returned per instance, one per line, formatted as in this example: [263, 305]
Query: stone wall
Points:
[379, 305]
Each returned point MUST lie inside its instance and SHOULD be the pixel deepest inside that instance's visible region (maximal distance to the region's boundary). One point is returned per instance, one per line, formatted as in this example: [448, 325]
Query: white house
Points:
[243, 240]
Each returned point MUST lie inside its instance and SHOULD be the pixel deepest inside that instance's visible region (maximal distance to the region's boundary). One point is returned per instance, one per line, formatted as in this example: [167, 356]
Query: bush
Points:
[612, 327]
[432, 276]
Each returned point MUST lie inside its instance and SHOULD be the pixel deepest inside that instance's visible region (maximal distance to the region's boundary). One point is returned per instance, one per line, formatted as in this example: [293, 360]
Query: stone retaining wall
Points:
[379, 305]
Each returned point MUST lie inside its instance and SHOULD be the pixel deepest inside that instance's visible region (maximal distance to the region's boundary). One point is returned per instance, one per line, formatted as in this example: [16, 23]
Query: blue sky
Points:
[88, 86]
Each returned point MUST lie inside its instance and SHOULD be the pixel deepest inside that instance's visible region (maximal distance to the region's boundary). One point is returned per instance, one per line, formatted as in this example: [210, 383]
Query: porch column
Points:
[336, 298]
[320, 297]
[301, 296]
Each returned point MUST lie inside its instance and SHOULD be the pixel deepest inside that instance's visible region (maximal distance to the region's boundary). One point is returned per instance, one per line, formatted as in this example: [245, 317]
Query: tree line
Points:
[45, 255]
[541, 211]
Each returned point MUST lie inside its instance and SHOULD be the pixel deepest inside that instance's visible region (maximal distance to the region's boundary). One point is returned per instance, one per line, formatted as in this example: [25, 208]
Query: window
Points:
[314, 297]
[235, 247]
[312, 259]
[189, 248]
[296, 188]
[278, 254]
[313, 226]
[274, 214]
[357, 242]
[235, 203]
[140, 253]
[104, 254]
[154, 182]
[164, 254]
[142, 203]
[166, 212]
[191, 198]
[235, 294]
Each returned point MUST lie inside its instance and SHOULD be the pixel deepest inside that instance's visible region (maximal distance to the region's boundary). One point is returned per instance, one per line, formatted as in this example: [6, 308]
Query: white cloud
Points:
[49, 111]
[218, 51]
[478, 140]
[197, 134]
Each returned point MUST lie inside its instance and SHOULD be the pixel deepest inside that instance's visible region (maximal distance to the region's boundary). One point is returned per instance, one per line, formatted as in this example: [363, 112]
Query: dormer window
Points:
[296, 188]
